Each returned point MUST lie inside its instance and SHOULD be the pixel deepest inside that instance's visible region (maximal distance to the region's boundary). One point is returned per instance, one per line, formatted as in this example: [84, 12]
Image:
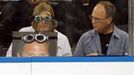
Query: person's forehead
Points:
[36, 46]
[99, 11]
[43, 14]
[36, 51]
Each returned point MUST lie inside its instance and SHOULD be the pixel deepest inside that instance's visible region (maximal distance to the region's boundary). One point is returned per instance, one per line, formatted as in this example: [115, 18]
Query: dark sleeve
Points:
[79, 51]
[7, 13]
[6, 22]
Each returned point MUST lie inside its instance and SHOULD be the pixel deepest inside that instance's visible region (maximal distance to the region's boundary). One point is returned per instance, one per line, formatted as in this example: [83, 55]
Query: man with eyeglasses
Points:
[105, 38]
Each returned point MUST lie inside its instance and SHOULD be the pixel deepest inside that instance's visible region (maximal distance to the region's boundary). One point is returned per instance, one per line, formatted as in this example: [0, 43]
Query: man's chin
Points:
[98, 30]
[43, 30]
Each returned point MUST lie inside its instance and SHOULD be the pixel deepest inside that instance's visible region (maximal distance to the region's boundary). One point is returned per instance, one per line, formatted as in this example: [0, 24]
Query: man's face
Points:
[99, 19]
[44, 26]
[35, 49]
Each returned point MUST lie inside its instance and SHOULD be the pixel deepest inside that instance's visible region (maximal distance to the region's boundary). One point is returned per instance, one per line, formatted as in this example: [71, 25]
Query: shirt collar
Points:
[115, 32]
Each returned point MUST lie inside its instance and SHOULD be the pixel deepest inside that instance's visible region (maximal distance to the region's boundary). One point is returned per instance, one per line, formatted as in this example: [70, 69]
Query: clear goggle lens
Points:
[46, 19]
[37, 37]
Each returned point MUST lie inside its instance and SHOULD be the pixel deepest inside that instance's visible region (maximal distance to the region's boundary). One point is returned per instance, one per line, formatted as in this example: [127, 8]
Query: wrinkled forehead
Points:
[44, 14]
[99, 11]
[36, 46]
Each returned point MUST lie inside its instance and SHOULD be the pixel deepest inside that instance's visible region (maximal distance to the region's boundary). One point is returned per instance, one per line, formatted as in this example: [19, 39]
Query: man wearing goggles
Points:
[43, 22]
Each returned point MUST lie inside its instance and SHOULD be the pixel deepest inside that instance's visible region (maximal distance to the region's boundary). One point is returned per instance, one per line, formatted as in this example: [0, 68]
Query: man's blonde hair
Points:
[43, 7]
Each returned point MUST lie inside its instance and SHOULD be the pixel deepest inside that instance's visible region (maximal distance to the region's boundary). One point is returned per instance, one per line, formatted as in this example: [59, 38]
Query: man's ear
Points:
[55, 23]
[109, 20]
[34, 25]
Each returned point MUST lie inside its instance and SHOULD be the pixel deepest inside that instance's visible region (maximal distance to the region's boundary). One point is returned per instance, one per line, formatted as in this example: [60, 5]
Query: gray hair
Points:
[109, 8]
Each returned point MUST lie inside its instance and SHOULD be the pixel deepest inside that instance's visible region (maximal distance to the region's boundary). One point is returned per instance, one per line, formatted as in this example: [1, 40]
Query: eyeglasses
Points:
[96, 19]
[35, 37]
[46, 19]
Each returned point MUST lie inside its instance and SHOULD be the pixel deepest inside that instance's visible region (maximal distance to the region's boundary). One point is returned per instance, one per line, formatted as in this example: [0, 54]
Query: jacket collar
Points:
[115, 32]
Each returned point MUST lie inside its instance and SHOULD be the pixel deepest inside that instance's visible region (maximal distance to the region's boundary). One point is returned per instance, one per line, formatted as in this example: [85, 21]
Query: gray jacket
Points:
[90, 43]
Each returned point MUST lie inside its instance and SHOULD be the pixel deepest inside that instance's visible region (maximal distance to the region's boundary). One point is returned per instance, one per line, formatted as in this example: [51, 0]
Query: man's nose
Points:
[93, 21]
[42, 22]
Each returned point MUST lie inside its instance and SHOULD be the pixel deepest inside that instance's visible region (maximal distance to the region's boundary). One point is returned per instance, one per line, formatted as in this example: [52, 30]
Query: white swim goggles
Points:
[35, 37]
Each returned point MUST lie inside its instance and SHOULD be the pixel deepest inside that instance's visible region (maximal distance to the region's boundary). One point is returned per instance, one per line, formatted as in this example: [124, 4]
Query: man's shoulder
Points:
[61, 36]
[122, 33]
[88, 34]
